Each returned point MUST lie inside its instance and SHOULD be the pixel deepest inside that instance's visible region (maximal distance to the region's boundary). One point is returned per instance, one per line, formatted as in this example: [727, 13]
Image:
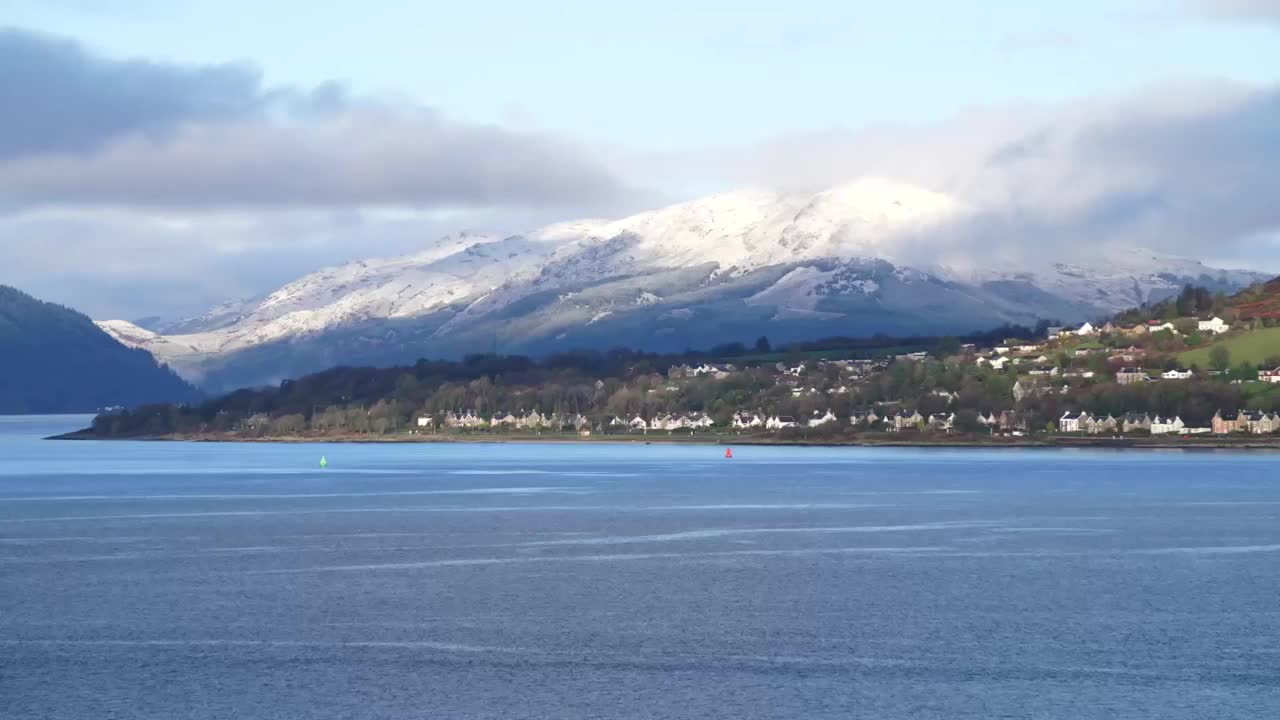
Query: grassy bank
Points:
[1251, 347]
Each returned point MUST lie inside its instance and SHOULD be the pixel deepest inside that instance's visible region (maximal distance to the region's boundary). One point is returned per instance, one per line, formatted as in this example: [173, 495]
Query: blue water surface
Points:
[189, 580]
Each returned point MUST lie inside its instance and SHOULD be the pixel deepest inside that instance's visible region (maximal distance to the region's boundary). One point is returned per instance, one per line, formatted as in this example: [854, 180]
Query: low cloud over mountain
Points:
[198, 183]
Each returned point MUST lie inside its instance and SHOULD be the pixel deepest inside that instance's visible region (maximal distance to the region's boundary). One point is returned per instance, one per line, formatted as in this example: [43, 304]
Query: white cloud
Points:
[83, 130]
[1178, 171]
[131, 187]
[212, 186]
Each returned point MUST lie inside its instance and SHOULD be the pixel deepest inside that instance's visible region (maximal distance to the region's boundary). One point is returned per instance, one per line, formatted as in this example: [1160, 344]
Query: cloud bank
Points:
[1187, 172]
[130, 187]
[87, 130]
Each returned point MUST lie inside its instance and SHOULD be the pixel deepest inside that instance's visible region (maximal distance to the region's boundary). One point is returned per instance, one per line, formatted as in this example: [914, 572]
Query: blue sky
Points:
[201, 150]
[671, 74]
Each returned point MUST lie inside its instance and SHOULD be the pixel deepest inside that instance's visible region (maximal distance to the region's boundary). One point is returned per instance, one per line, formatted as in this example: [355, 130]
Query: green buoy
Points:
[323, 463]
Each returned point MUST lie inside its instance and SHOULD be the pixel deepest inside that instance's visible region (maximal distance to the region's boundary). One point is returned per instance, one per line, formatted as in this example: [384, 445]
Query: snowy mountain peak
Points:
[820, 264]
[749, 229]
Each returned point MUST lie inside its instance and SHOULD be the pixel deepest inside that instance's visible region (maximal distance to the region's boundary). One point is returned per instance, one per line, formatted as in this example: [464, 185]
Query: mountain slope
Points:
[1259, 301]
[56, 360]
[727, 267]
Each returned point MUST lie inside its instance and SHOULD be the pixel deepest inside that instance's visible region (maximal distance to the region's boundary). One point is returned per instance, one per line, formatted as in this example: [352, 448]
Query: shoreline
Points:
[972, 442]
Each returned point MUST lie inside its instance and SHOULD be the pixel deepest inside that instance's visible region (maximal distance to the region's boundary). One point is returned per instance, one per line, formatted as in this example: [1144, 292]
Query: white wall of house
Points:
[1213, 325]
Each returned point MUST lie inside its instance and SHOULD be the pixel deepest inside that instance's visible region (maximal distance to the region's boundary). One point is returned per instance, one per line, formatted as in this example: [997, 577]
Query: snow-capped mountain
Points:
[727, 267]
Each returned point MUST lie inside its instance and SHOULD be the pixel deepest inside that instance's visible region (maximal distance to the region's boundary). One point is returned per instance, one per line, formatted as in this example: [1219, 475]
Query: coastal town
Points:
[1038, 370]
[1160, 373]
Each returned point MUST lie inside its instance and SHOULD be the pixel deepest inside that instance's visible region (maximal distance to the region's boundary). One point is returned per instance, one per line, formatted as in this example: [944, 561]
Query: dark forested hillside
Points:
[55, 360]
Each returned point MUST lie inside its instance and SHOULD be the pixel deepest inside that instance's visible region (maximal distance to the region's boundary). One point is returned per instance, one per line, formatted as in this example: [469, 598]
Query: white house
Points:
[1271, 376]
[699, 420]
[532, 421]
[864, 417]
[942, 423]
[1162, 327]
[1086, 329]
[1099, 425]
[425, 421]
[715, 371]
[1166, 425]
[819, 420]
[669, 422]
[467, 420]
[638, 423]
[1213, 325]
[779, 422]
[1177, 374]
[999, 363]
[1069, 423]
[746, 421]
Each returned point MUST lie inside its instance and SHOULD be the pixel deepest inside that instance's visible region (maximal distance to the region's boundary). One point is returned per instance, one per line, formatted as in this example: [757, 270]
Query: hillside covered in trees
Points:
[55, 360]
[387, 400]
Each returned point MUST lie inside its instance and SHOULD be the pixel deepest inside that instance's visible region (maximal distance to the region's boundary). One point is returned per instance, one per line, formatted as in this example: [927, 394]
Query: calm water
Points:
[153, 580]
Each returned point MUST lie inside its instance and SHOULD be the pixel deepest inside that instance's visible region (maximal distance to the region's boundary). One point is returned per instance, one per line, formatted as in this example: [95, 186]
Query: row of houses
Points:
[1008, 421]
[1129, 375]
[901, 420]
[1255, 422]
[663, 423]
[1128, 423]
[1213, 325]
[536, 421]
[755, 421]
[717, 371]
[470, 420]
[1042, 364]
[891, 421]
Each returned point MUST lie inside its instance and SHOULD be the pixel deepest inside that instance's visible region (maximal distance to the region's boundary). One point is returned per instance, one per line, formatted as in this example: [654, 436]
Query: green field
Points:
[1252, 347]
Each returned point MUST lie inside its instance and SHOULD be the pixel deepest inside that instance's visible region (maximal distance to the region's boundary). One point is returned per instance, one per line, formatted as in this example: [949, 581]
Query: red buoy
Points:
[728, 452]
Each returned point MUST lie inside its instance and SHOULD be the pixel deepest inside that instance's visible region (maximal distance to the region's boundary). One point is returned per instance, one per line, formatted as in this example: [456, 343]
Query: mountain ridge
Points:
[749, 262]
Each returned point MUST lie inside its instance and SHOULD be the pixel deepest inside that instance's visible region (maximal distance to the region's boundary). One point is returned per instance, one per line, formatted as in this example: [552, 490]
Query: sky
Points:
[157, 158]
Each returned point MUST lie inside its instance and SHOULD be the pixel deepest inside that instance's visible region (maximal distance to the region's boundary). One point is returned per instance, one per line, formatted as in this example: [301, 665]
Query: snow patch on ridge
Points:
[849, 240]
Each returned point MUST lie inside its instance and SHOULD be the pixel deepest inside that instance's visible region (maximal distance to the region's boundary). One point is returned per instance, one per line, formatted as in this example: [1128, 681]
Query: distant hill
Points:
[1258, 301]
[55, 360]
